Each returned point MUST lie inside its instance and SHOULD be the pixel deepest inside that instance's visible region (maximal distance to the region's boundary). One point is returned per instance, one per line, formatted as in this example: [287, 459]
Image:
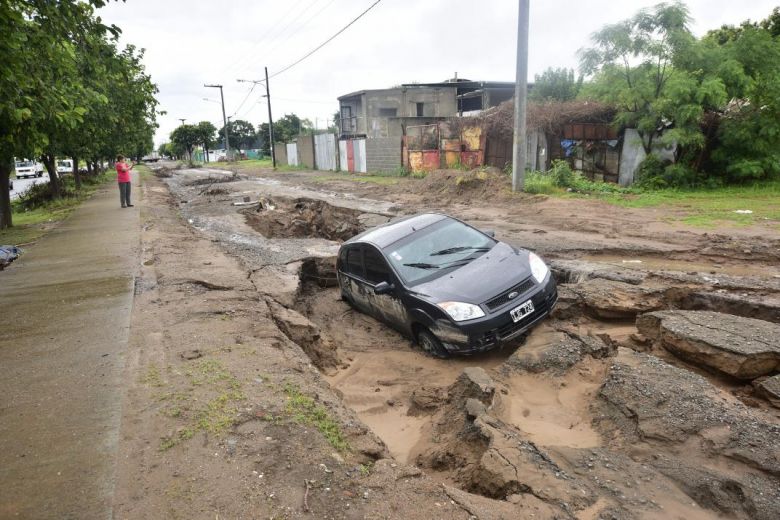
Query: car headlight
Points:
[538, 268]
[460, 311]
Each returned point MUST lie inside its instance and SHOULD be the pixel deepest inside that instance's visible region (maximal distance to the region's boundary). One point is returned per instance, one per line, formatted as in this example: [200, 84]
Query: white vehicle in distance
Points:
[26, 168]
[64, 166]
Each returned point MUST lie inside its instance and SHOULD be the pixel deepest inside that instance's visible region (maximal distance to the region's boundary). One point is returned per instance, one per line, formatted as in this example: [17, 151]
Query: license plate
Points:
[521, 311]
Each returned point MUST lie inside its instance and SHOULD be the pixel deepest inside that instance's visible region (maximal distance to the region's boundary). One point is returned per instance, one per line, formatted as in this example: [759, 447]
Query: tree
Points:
[240, 133]
[186, 137]
[634, 67]
[286, 129]
[206, 137]
[556, 84]
[38, 84]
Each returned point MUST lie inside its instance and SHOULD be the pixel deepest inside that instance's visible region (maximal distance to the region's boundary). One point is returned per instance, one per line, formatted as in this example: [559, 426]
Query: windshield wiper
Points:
[458, 249]
[422, 265]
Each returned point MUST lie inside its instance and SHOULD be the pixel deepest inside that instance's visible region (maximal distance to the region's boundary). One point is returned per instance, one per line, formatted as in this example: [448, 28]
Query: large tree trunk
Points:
[5, 196]
[54, 179]
[76, 173]
[90, 173]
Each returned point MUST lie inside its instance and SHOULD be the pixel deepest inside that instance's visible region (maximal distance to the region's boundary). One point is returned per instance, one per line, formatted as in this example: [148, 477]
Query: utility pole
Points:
[224, 119]
[182, 119]
[270, 118]
[521, 92]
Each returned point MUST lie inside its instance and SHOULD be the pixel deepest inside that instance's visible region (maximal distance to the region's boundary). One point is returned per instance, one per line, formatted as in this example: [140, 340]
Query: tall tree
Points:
[633, 67]
[555, 84]
[186, 137]
[206, 132]
[240, 133]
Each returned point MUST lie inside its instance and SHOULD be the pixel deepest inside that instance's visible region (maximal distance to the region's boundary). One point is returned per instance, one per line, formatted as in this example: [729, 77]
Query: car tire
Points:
[431, 344]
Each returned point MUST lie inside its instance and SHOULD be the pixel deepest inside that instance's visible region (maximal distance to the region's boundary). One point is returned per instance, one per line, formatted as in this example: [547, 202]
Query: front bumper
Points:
[497, 328]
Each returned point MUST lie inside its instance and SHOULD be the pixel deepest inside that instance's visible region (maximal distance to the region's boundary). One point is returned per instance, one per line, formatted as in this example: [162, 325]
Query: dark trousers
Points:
[124, 193]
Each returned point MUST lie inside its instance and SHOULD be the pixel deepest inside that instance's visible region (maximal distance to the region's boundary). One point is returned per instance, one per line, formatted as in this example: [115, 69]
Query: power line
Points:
[244, 101]
[299, 27]
[242, 58]
[320, 46]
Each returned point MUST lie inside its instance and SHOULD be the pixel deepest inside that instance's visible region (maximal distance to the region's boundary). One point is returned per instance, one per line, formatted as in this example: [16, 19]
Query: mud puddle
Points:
[386, 387]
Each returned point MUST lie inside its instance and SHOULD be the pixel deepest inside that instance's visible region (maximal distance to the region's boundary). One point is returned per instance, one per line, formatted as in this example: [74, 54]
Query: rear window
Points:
[377, 270]
[353, 263]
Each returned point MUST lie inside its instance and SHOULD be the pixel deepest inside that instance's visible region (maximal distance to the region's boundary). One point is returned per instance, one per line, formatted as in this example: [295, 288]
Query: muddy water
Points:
[554, 412]
[379, 383]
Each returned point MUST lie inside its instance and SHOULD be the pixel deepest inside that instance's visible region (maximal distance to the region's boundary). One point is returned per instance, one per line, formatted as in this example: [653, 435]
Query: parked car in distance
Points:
[27, 168]
[451, 287]
[64, 166]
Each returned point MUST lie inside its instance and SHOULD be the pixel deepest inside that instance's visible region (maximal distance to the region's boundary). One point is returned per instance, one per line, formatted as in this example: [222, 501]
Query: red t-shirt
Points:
[122, 172]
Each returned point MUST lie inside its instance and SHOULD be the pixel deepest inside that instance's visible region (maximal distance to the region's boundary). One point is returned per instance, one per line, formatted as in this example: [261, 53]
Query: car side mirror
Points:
[383, 288]
[490, 233]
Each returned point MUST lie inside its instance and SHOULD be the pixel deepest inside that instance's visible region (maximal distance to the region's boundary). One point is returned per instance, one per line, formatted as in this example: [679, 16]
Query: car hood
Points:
[480, 280]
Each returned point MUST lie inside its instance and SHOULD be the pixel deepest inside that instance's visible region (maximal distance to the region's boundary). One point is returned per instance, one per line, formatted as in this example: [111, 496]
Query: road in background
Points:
[22, 185]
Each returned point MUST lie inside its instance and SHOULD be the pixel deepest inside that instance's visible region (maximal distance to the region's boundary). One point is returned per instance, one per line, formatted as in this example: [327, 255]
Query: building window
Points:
[388, 112]
[420, 109]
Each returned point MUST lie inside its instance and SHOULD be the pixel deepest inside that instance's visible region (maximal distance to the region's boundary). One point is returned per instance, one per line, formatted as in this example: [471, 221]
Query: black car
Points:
[452, 288]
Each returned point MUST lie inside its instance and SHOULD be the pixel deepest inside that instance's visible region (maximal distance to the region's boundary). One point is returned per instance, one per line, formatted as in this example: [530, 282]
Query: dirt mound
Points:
[466, 186]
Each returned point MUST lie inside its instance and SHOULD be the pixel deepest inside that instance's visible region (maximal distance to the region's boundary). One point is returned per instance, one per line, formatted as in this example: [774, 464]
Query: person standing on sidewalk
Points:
[123, 178]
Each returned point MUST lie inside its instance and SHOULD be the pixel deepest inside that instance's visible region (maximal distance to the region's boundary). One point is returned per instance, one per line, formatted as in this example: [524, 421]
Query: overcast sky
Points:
[192, 42]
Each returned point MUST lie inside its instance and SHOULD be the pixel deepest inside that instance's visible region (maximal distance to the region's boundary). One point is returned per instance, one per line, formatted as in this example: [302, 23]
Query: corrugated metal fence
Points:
[325, 153]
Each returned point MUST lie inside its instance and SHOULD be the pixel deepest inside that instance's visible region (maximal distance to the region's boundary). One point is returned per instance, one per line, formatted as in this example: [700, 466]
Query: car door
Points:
[387, 307]
[353, 281]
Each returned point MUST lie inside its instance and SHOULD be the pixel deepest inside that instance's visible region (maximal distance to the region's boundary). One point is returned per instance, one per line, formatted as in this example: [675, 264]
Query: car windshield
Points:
[23, 164]
[436, 250]
[63, 163]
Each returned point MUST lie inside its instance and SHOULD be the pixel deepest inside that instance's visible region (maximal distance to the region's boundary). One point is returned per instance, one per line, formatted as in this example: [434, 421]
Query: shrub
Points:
[562, 175]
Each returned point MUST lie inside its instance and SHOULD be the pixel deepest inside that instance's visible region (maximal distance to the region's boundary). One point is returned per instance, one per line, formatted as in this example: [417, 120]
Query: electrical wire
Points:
[245, 98]
[249, 52]
[320, 46]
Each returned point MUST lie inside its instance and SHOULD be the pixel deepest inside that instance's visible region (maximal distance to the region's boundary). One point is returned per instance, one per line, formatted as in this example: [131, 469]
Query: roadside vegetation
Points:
[68, 89]
[702, 206]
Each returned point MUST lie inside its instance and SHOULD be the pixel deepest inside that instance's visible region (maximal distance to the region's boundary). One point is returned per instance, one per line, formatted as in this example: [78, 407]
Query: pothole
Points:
[306, 218]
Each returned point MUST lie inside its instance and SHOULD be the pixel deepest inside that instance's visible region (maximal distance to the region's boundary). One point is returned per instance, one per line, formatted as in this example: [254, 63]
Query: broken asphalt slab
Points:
[744, 348]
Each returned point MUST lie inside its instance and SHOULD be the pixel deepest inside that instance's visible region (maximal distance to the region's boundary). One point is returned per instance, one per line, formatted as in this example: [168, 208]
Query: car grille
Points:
[503, 298]
[541, 307]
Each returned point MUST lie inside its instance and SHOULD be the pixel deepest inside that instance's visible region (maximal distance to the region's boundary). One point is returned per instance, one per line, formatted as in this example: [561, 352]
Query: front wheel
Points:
[431, 344]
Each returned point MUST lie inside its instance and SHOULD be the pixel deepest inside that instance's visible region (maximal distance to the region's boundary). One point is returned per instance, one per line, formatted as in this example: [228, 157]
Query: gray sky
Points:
[192, 42]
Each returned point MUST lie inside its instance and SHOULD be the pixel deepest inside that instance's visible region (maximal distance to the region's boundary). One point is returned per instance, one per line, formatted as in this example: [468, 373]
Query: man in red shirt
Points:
[123, 178]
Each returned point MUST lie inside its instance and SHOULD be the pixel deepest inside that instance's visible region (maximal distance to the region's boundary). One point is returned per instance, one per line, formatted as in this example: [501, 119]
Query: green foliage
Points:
[240, 133]
[555, 84]
[66, 89]
[286, 129]
[306, 411]
[562, 174]
[185, 137]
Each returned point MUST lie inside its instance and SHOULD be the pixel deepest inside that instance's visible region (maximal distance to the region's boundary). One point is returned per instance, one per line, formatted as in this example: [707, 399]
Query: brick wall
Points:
[383, 154]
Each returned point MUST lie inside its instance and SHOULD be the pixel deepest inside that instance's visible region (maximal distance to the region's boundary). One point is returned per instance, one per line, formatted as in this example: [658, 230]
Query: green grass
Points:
[31, 224]
[709, 207]
[244, 165]
[306, 411]
[378, 178]
[697, 207]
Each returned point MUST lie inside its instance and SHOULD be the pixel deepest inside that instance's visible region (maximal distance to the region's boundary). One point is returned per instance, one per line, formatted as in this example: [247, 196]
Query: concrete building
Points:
[386, 113]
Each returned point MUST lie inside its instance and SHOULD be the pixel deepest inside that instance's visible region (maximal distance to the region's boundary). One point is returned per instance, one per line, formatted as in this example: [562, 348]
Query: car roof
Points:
[395, 230]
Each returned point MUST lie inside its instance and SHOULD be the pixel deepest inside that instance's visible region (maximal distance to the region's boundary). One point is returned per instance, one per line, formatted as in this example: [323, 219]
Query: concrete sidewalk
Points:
[66, 307]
